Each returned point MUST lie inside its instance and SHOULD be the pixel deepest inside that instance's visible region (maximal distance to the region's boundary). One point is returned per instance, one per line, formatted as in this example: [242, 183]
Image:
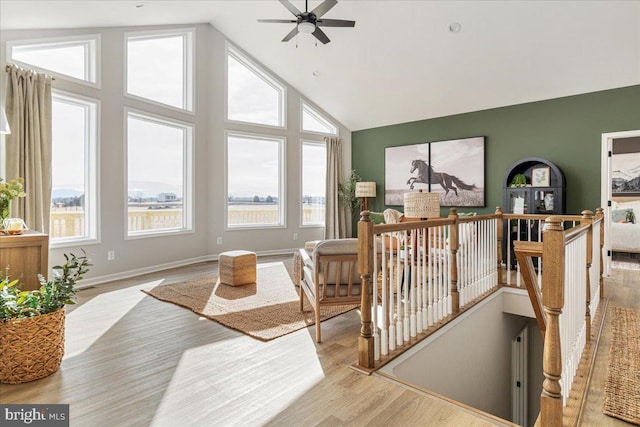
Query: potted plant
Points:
[32, 322]
[519, 180]
[347, 191]
[630, 216]
[9, 191]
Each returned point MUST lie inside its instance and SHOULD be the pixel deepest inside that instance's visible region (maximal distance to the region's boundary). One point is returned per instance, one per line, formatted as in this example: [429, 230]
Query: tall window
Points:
[160, 67]
[74, 166]
[159, 177]
[252, 95]
[254, 180]
[65, 57]
[314, 171]
[314, 122]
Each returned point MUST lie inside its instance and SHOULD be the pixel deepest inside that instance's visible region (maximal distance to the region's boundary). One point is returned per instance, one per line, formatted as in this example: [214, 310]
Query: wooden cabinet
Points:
[26, 255]
[543, 193]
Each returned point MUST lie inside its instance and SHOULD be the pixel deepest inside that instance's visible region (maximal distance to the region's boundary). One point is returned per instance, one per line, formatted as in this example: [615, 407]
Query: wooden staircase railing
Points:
[567, 276]
[419, 275]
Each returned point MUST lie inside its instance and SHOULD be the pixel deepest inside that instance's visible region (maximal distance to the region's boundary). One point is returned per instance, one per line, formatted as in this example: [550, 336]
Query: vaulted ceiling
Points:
[401, 62]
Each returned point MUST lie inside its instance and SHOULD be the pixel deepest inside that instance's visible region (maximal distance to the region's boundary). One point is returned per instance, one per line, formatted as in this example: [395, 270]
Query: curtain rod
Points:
[7, 68]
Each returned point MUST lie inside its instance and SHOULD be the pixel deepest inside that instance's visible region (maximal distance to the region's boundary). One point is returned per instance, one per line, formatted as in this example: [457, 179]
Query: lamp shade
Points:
[421, 205]
[365, 189]
[4, 124]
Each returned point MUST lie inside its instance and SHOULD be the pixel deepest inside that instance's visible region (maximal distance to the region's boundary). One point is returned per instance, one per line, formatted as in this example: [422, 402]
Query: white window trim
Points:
[282, 140]
[93, 43]
[314, 112]
[189, 73]
[188, 174]
[262, 74]
[304, 142]
[92, 173]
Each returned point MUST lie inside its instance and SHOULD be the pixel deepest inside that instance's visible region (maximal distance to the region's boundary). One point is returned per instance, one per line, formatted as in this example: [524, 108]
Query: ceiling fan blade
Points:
[291, 7]
[320, 35]
[278, 21]
[324, 7]
[335, 23]
[291, 35]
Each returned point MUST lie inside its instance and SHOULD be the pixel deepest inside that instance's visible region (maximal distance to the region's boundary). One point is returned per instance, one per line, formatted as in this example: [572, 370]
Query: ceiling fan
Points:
[310, 22]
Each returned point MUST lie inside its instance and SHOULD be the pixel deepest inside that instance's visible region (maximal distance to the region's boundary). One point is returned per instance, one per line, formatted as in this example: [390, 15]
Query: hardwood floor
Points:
[132, 360]
[622, 289]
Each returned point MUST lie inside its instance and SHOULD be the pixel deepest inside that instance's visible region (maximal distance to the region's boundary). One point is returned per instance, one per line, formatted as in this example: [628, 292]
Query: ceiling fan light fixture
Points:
[306, 27]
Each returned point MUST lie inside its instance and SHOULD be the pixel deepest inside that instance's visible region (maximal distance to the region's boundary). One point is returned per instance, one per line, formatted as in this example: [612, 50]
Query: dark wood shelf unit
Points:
[546, 200]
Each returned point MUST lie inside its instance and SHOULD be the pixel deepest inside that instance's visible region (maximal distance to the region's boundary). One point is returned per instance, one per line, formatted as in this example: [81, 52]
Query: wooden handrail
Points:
[525, 251]
[587, 220]
[553, 302]
[444, 246]
[548, 298]
[365, 268]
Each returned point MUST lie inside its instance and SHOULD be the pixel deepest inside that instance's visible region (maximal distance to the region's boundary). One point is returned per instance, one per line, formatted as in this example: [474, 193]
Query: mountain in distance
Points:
[64, 193]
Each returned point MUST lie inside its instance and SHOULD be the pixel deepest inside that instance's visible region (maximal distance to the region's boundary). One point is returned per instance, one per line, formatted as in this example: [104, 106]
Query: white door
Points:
[519, 375]
[607, 142]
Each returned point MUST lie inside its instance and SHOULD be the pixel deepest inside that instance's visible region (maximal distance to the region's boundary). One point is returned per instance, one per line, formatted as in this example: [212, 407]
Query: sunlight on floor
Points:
[247, 382]
[88, 322]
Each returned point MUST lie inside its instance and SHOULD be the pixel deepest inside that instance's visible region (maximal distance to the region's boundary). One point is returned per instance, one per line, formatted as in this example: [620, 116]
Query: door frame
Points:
[605, 189]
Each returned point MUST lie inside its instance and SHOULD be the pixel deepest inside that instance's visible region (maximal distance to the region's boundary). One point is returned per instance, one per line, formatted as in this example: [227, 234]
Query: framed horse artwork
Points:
[454, 169]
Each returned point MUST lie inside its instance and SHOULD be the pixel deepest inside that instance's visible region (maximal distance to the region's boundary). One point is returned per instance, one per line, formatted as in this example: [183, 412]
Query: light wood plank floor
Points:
[132, 360]
[622, 289]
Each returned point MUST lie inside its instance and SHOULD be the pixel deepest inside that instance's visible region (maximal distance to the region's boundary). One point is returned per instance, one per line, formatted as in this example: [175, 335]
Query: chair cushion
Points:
[336, 247]
[377, 217]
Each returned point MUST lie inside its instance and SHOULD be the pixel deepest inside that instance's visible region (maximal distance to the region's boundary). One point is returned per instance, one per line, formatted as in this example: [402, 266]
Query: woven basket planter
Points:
[31, 348]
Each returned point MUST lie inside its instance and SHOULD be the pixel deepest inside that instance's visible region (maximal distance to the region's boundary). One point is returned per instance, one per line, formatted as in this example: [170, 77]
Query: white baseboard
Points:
[166, 266]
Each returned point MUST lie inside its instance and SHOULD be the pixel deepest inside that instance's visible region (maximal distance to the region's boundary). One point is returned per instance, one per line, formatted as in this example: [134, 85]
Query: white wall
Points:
[470, 361]
[141, 255]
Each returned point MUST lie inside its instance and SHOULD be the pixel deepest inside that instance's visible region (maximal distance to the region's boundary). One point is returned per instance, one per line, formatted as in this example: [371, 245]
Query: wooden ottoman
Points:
[237, 268]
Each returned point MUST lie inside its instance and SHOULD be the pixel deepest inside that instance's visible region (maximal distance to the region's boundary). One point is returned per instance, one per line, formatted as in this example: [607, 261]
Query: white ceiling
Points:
[401, 63]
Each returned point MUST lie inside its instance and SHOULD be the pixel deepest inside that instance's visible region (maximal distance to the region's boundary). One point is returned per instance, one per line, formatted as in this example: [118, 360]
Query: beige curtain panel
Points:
[28, 147]
[335, 219]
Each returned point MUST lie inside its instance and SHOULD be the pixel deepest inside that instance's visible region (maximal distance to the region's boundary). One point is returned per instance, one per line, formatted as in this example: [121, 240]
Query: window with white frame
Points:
[65, 57]
[314, 171]
[314, 122]
[252, 95]
[73, 215]
[255, 180]
[159, 175]
[160, 67]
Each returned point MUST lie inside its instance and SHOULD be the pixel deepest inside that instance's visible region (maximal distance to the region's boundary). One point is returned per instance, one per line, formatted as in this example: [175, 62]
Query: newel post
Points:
[587, 218]
[500, 234]
[453, 243]
[365, 269]
[553, 302]
[600, 214]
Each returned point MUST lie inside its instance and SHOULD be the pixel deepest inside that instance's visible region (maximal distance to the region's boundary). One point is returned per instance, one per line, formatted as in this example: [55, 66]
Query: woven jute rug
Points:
[622, 386]
[265, 311]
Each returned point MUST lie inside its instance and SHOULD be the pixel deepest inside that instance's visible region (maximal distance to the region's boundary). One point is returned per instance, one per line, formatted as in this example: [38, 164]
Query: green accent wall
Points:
[566, 131]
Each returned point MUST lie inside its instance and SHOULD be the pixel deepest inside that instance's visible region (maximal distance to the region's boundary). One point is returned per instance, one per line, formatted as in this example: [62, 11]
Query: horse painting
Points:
[446, 181]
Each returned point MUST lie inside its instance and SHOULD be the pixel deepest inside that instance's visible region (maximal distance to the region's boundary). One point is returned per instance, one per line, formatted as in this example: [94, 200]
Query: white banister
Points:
[413, 278]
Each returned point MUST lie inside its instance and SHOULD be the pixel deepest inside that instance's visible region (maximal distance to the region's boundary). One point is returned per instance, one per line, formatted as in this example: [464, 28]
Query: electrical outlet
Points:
[295, 236]
[219, 240]
[111, 255]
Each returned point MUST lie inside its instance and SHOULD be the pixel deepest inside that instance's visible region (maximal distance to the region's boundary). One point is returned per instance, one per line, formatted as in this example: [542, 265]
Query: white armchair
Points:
[330, 275]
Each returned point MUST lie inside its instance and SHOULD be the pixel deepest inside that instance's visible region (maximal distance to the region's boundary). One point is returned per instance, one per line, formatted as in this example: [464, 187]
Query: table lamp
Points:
[421, 205]
[364, 190]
